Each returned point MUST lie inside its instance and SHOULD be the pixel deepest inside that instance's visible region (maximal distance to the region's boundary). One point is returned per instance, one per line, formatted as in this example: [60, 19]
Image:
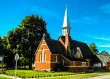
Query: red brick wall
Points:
[50, 59]
[53, 62]
[67, 42]
[61, 41]
[43, 65]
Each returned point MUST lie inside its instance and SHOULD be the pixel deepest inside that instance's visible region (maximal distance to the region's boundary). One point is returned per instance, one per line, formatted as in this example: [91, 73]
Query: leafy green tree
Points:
[105, 53]
[93, 48]
[7, 54]
[1, 45]
[25, 38]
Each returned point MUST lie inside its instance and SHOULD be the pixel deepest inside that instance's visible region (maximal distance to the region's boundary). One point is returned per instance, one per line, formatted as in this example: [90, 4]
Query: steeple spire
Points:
[66, 19]
[66, 26]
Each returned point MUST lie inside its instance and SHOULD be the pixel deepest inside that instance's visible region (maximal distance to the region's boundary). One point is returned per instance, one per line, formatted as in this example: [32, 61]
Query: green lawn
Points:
[75, 76]
[30, 73]
[60, 75]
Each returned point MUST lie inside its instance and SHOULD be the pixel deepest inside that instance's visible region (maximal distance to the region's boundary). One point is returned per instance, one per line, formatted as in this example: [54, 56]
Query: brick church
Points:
[69, 53]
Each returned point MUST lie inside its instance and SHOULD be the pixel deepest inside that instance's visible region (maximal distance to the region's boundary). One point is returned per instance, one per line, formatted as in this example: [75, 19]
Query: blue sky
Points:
[89, 19]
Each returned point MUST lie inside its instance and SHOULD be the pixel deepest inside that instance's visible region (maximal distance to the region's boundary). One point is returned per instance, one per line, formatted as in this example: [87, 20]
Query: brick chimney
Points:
[67, 44]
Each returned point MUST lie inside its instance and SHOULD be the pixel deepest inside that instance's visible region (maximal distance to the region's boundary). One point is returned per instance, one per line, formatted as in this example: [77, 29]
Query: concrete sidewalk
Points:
[12, 77]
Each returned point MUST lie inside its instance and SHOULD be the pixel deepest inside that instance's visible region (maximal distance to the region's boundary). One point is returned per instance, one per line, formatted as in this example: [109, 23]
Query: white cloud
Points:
[102, 38]
[91, 19]
[86, 20]
[106, 8]
[104, 46]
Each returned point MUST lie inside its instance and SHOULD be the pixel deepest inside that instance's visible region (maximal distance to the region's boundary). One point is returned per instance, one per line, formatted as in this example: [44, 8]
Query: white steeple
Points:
[66, 19]
[66, 26]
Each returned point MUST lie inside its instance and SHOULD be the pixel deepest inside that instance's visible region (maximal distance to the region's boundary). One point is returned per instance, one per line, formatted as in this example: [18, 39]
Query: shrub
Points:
[58, 67]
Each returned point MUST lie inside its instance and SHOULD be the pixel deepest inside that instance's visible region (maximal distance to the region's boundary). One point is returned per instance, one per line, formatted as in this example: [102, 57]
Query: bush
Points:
[59, 67]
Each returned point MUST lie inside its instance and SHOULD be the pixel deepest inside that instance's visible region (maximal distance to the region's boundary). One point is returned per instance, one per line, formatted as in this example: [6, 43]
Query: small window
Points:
[73, 63]
[63, 62]
[83, 63]
[40, 57]
[65, 31]
[78, 52]
[78, 55]
[56, 59]
[45, 57]
[88, 63]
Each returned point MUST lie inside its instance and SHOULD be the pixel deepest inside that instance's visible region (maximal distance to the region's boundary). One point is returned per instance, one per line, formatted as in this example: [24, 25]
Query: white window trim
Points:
[63, 62]
[73, 63]
[79, 52]
[56, 59]
[42, 55]
[83, 64]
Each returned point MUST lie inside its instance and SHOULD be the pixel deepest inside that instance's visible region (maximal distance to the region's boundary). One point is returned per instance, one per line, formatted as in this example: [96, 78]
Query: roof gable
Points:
[59, 39]
[78, 53]
[39, 45]
[56, 47]
[43, 42]
[102, 58]
[85, 50]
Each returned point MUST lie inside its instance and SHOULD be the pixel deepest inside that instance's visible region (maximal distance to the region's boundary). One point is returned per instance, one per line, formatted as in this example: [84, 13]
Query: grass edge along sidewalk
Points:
[65, 77]
[56, 76]
[78, 76]
[35, 74]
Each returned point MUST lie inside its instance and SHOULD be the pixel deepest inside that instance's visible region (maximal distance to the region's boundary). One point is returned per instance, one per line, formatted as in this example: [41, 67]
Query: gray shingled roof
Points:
[85, 50]
[103, 58]
[83, 47]
[56, 47]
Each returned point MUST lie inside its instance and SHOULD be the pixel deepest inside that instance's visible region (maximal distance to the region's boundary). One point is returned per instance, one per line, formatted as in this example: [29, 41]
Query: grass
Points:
[30, 73]
[35, 74]
[77, 76]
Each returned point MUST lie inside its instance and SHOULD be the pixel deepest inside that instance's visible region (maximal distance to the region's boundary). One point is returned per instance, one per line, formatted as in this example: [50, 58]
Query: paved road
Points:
[101, 76]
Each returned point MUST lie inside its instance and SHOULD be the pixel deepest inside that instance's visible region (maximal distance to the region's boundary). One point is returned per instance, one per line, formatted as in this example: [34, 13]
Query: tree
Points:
[104, 53]
[8, 55]
[26, 37]
[93, 48]
[1, 45]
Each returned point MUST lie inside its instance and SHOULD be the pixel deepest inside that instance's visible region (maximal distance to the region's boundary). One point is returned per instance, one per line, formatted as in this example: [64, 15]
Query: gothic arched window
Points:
[45, 57]
[56, 59]
[42, 55]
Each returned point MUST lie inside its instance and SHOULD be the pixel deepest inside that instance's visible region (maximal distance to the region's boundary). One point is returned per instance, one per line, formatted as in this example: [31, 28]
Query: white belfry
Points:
[66, 25]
